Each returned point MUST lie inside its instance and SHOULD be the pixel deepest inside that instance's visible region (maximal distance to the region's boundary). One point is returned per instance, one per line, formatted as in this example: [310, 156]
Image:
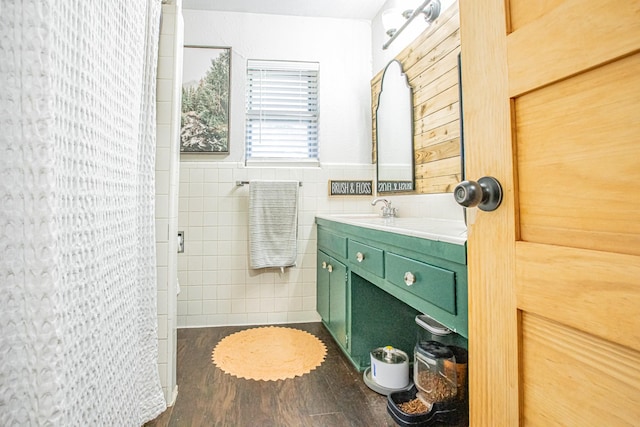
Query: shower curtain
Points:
[78, 326]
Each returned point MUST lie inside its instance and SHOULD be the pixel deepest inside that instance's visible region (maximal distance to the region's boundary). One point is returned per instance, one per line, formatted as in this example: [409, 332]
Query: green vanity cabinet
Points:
[372, 283]
[338, 302]
[332, 296]
[332, 285]
[323, 285]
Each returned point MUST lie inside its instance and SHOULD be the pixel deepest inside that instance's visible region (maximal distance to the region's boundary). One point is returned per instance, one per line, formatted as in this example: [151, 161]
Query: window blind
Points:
[282, 110]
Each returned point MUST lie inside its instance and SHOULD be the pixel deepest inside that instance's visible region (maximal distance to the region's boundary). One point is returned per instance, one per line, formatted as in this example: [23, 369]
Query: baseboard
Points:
[174, 396]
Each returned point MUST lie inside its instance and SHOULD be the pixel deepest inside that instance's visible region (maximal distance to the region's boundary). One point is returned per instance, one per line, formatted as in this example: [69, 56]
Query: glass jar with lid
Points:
[434, 372]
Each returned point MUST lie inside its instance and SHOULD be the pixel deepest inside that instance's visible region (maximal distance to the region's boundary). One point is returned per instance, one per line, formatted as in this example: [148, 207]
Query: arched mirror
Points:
[394, 132]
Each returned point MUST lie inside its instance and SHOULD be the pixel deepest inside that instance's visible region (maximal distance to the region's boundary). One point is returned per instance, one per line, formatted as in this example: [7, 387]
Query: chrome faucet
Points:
[387, 210]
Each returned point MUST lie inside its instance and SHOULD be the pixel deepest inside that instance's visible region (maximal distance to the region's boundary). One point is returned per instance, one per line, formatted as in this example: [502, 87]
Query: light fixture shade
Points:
[392, 19]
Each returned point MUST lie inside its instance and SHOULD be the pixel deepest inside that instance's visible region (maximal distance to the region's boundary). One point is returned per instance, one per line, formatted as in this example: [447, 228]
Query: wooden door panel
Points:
[593, 291]
[523, 12]
[573, 379]
[569, 135]
[551, 95]
[601, 31]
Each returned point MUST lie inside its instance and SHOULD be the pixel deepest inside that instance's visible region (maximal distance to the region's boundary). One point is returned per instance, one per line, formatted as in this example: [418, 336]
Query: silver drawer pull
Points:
[330, 268]
[359, 256]
[324, 264]
[409, 278]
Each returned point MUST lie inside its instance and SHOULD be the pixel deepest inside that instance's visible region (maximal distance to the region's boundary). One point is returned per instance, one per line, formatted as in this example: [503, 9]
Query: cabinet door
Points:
[322, 286]
[338, 301]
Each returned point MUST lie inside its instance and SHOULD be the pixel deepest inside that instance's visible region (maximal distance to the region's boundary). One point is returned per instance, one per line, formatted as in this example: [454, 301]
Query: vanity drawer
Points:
[367, 257]
[332, 242]
[433, 284]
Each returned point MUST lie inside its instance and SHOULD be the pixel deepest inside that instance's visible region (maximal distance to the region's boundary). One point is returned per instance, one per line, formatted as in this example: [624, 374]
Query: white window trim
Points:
[275, 160]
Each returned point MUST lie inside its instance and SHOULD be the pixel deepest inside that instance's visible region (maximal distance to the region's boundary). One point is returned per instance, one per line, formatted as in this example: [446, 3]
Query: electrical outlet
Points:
[180, 242]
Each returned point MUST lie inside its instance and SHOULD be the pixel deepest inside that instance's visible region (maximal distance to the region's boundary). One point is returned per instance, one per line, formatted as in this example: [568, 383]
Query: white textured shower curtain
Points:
[78, 339]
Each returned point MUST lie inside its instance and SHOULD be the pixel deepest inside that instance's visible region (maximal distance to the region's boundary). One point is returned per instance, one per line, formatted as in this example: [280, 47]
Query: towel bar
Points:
[241, 183]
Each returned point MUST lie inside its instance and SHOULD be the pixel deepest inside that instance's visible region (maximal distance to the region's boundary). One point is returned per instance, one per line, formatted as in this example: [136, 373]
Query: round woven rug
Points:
[269, 353]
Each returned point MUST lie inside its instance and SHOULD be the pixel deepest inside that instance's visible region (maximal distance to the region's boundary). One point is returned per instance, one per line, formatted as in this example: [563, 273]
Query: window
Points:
[282, 111]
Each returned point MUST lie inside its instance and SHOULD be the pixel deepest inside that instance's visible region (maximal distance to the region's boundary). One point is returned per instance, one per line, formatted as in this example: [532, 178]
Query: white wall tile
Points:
[225, 176]
[164, 111]
[162, 185]
[209, 291]
[278, 318]
[161, 253]
[252, 305]
[224, 292]
[164, 90]
[267, 305]
[163, 135]
[198, 320]
[224, 306]
[194, 292]
[257, 318]
[194, 307]
[168, 22]
[166, 45]
[218, 320]
[161, 272]
[211, 175]
[209, 307]
[238, 306]
[162, 352]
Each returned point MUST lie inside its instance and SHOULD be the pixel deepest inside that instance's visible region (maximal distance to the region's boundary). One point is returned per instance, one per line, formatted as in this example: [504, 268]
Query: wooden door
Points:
[551, 96]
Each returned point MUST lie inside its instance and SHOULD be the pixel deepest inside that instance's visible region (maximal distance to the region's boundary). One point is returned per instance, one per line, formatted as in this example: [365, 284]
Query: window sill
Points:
[283, 163]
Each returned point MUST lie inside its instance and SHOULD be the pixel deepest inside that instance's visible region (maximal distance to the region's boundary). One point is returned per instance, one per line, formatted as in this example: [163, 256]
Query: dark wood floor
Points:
[333, 394]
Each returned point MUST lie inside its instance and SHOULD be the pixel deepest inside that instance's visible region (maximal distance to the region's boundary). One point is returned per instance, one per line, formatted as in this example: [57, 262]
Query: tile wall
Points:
[216, 285]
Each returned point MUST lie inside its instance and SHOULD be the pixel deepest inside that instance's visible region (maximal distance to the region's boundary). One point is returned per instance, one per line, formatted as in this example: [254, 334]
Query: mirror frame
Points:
[389, 186]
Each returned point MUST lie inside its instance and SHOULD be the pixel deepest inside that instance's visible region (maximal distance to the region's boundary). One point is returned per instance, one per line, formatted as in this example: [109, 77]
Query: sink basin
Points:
[428, 228]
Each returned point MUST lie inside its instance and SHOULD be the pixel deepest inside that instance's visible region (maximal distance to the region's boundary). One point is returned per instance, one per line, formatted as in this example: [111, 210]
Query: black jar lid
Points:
[461, 354]
[434, 350]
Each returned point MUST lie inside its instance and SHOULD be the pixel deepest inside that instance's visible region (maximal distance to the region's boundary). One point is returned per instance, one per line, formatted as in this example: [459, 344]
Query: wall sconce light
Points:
[395, 19]
[392, 19]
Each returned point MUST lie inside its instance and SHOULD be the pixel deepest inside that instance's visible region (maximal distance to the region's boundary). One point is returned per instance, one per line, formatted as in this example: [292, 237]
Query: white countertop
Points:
[441, 230]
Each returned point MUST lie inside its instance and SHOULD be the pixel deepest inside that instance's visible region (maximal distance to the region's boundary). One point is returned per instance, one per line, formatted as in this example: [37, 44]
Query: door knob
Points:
[486, 194]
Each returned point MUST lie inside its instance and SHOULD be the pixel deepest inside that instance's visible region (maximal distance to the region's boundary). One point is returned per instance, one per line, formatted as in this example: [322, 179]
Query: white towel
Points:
[273, 223]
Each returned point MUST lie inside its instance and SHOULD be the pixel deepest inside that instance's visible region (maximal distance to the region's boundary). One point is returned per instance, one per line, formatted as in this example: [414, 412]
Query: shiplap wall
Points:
[431, 65]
